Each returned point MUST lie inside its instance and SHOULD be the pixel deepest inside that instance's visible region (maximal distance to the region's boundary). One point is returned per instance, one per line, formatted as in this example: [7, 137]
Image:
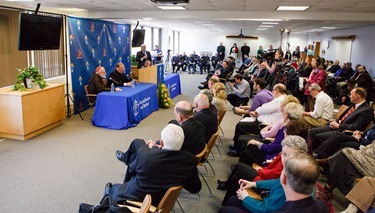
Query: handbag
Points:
[106, 205]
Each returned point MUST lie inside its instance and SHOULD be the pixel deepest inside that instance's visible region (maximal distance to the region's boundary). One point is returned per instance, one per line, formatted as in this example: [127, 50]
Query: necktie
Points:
[347, 114]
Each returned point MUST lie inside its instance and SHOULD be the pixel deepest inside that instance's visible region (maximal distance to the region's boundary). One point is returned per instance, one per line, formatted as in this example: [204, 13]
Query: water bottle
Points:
[133, 83]
[112, 87]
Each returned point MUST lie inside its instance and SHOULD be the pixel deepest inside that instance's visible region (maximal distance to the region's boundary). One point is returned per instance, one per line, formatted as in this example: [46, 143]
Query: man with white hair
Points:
[206, 116]
[142, 56]
[323, 108]
[150, 168]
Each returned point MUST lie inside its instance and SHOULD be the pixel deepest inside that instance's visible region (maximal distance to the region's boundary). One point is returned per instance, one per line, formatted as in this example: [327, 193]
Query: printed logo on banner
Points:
[92, 27]
[79, 25]
[87, 65]
[86, 39]
[135, 108]
[114, 29]
[71, 39]
[104, 27]
[79, 53]
[104, 52]
[110, 62]
[71, 67]
[100, 62]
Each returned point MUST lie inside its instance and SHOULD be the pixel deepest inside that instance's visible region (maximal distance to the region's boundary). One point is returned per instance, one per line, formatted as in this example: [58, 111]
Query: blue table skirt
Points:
[121, 110]
[172, 81]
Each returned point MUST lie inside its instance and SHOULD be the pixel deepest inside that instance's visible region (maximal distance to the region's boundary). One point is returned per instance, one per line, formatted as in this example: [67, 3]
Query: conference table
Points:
[126, 108]
[172, 81]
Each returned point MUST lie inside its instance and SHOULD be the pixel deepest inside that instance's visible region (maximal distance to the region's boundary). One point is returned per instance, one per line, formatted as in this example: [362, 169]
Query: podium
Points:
[148, 74]
[153, 74]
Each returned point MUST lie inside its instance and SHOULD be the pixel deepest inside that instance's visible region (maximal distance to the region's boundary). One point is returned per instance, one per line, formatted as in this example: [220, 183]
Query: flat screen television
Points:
[138, 37]
[37, 32]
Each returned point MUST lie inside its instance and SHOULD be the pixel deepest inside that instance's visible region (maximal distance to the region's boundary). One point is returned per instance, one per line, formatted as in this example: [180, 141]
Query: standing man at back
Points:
[142, 56]
[221, 51]
[245, 50]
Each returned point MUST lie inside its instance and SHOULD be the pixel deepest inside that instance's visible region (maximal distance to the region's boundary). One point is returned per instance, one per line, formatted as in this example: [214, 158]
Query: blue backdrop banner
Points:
[95, 43]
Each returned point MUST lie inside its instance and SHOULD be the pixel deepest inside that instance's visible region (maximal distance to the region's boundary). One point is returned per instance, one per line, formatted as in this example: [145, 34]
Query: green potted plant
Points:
[27, 76]
[133, 60]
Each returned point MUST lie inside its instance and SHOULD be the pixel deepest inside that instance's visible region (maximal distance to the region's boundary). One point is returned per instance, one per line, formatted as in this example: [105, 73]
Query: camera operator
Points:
[241, 90]
[273, 66]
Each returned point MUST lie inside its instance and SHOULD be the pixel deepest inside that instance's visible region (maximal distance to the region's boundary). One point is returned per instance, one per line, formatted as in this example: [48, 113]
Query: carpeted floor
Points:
[71, 164]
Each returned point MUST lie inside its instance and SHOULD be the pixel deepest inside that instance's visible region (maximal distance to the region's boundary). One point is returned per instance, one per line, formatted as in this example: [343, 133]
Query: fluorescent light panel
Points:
[272, 23]
[292, 8]
[329, 28]
[266, 26]
[18, 0]
[171, 7]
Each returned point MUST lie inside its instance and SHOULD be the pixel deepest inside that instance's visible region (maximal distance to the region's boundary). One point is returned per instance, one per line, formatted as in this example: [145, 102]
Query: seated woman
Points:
[243, 171]
[220, 97]
[259, 152]
[276, 196]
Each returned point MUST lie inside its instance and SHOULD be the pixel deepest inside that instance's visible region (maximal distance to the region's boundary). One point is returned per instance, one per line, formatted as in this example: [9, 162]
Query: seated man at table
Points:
[206, 116]
[194, 131]
[118, 77]
[96, 84]
[153, 169]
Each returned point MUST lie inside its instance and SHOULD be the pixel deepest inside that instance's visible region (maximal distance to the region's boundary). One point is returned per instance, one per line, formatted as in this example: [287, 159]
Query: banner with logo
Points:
[95, 43]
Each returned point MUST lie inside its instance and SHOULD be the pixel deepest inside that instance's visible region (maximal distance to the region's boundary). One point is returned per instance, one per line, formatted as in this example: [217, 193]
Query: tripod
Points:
[167, 65]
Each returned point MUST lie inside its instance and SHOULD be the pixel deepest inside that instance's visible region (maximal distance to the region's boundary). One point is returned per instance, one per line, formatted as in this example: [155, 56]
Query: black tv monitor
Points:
[37, 32]
[138, 37]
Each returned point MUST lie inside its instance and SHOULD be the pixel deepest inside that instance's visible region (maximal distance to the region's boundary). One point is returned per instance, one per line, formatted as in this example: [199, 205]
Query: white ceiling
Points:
[221, 15]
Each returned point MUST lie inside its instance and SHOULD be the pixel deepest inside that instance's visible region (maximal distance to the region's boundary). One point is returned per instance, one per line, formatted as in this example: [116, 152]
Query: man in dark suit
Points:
[142, 56]
[206, 116]
[175, 61]
[153, 169]
[356, 117]
[118, 78]
[245, 50]
[194, 131]
[221, 51]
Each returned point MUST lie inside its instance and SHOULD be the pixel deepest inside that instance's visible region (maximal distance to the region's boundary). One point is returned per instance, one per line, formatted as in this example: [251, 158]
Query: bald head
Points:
[184, 109]
[201, 102]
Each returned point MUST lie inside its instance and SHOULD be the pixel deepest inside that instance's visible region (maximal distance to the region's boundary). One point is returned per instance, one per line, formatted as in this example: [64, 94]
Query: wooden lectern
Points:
[148, 74]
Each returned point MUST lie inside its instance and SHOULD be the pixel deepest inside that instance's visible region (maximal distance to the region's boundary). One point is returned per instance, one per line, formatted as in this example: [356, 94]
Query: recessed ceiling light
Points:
[292, 8]
[208, 25]
[329, 28]
[266, 26]
[73, 9]
[262, 29]
[171, 7]
[273, 23]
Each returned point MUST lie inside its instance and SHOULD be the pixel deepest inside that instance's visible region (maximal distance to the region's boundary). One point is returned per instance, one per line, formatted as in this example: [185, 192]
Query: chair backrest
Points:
[221, 116]
[86, 89]
[202, 153]
[146, 204]
[211, 144]
[341, 110]
[169, 199]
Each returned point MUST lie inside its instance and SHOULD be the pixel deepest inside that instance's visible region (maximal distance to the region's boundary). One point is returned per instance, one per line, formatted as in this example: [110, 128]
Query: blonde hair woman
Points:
[220, 97]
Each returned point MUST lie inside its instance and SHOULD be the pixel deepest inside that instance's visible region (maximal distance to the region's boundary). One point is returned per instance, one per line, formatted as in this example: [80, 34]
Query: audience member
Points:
[356, 117]
[241, 89]
[149, 169]
[323, 108]
[263, 96]
[194, 131]
[317, 76]
[269, 113]
[298, 179]
[245, 50]
[261, 152]
[220, 97]
[210, 97]
[362, 196]
[206, 116]
[221, 51]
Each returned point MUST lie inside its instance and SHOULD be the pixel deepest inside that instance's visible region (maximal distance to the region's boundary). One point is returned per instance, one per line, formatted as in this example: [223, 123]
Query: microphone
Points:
[110, 78]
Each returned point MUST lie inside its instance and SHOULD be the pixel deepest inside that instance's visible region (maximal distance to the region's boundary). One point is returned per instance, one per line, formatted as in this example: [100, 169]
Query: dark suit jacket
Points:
[194, 141]
[139, 58]
[95, 86]
[209, 120]
[119, 78]
[358, 119]
[157, 170]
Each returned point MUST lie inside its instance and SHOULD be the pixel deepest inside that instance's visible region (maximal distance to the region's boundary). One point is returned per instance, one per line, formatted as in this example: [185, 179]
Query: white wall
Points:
[363, 46]
[208, 41]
